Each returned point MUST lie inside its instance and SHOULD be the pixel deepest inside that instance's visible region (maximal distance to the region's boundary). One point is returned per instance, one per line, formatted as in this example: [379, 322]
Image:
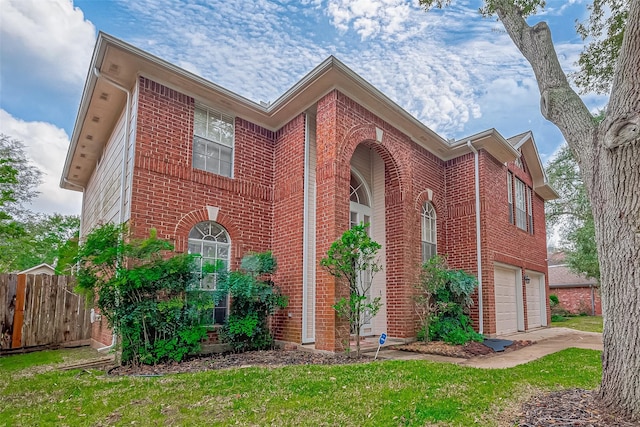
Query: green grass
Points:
[380, 393]
[581, 323]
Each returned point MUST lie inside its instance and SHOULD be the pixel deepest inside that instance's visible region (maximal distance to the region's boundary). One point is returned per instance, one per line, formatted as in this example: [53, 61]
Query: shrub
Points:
[443, 302]
[254, 297]
[144, 294]
[553, 300]
[352, 258]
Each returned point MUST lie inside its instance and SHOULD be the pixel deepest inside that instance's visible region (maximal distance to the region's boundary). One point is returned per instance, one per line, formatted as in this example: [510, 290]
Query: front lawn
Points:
[378, 393]
[581, 323]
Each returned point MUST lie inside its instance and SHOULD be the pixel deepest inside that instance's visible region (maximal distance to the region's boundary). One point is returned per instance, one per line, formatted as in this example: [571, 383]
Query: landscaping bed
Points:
[265, 358]
[466, 351]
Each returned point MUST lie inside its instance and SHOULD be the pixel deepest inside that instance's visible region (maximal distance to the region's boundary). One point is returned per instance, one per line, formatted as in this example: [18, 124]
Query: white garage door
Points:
[534, 301]
[506, 302]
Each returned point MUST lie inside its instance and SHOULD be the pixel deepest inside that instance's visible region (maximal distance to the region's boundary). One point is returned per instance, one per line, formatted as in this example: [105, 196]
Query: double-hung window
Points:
[213, 137]
[529, 210]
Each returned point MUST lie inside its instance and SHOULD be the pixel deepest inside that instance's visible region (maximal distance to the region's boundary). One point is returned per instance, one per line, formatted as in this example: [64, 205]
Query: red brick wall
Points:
[342, 125]
[170, 195]
[578, 300]
[504, 242]
[287, 243]
[460, 223]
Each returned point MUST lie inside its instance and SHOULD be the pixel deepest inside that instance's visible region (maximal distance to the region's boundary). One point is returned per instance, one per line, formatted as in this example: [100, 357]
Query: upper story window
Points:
[213, 141]
[209, 240]
[521, 209]
[429, 236]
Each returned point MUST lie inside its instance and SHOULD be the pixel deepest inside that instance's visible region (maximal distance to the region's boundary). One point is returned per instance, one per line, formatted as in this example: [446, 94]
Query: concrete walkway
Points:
[545, 341]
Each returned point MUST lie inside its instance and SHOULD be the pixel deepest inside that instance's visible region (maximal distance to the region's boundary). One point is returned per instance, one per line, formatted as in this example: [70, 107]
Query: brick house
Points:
[220, 175]
[577, 293]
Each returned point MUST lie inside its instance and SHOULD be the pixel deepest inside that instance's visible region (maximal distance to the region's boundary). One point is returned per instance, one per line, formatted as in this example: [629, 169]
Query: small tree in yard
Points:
[254, 297]
[352, 259]
[442, 303]
[147, 298]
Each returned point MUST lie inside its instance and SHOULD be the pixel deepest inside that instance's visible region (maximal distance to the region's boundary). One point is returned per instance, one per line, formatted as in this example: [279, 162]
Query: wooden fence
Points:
[41, 310]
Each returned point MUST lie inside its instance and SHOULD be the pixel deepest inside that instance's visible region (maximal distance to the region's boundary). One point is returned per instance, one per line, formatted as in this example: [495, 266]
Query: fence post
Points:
[18, 315]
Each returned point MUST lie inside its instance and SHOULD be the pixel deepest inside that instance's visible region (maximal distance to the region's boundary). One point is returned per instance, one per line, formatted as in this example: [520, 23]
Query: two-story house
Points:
[221, 175]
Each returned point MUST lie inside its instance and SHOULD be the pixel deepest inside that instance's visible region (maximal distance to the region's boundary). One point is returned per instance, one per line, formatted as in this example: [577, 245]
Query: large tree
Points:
[18, 178]
[570, 215]
[608, 153]
[51, 239]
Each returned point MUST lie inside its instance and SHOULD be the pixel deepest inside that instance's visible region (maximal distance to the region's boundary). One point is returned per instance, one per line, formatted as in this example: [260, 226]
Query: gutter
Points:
[478, 236]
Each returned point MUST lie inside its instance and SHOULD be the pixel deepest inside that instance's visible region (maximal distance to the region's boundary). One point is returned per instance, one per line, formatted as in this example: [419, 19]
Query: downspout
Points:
[81, 209]
[305, 235]
[123, 171]
[478, 238]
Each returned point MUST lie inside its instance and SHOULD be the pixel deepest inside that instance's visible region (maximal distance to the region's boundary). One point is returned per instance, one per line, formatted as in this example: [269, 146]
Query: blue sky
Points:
[455, 71]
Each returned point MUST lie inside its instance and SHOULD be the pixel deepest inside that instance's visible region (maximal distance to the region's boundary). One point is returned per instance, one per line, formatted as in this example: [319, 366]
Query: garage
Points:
[536, 307]
[509, 317]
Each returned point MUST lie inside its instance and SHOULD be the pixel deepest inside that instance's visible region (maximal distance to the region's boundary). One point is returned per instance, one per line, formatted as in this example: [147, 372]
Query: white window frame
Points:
[521, 205]
[510, 196]
[429, 233]
[213, 141]
[211, 241]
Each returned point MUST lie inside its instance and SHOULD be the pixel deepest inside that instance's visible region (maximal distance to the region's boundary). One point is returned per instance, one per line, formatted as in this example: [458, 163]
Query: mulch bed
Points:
[569, 408]
[467, 351]
[268, 358]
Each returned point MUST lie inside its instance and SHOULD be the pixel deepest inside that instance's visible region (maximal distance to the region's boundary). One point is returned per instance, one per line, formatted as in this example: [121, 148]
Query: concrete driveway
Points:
[546, 341]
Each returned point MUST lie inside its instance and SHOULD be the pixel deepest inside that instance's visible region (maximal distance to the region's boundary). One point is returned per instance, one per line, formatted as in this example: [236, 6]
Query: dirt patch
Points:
[574, 407]
[467, 351]
[269, 358]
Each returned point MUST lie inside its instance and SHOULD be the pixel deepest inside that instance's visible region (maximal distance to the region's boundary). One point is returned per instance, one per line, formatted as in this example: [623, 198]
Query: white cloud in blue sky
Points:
[450, 68]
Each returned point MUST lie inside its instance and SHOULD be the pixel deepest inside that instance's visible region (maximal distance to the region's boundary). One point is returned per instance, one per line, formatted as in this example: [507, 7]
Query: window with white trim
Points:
[211, 241]
[213, 140]
[521, 208]
[510, 195]
[429, 235]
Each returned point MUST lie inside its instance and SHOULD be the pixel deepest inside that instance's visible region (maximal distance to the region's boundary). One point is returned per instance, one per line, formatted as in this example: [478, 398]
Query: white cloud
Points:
[46, 39]
[46, 146]
[370, 17]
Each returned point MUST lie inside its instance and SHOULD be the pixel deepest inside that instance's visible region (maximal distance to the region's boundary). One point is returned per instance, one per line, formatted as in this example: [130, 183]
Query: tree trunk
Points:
[609, 159]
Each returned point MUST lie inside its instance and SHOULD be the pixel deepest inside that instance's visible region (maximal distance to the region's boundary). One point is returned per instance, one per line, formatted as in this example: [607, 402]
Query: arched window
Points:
[429, 236]
[358, 190]
[211, 241]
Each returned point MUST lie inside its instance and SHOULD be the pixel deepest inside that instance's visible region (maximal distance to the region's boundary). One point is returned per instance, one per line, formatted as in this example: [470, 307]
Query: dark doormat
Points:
[496, 344]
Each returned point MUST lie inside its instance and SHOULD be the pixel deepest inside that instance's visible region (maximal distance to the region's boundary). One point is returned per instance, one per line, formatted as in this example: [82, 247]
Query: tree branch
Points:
[622, 123]
[559, 103]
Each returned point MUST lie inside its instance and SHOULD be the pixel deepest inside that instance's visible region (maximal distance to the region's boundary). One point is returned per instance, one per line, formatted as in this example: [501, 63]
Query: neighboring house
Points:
[43, 268]
[220, 175]
[577, 294]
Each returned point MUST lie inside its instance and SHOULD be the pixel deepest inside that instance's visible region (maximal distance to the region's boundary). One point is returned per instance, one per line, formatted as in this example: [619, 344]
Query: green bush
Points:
[442, 303]
[353, 260]
[553, 300]
[254, 297]
[558, 318]
[144, 294]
